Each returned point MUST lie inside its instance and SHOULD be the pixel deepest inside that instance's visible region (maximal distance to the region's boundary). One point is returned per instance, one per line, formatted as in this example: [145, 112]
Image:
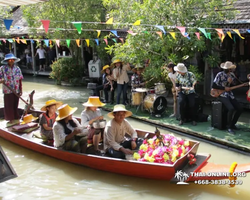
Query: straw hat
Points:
[51, 102]
[137, 67]
[105, 67]
[28, 118]
[8, 57]
[227, 65]
[180, 68]
[64, 111]
[115, 61]
[93, 101]
[117, 108]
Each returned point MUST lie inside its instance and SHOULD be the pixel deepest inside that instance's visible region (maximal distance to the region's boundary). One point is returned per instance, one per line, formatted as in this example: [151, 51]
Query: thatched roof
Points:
[19, 2]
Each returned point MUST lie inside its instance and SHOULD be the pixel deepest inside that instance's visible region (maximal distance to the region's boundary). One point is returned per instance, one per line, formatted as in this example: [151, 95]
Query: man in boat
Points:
[222, 81]
[115, 142]
[184, 83]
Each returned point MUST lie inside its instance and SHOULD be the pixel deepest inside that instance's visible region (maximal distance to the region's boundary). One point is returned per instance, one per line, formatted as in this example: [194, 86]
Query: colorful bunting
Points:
[121, 40]
[10, 40]
[18, 40]
[204, 32]
[248, 30]
[98, 33]
[160, 34]
[182, 30]
[32, 41]
[137, 23]
[161, 28]
[197, 35]
[78, 42]
[229, 34]
[238, 33]
[7, 23]
[45, 25]
[209, 36]
[3, 40]
[23, 41]
[78, 26]
[68, 42]
[114, 40]
[46, 42]
[13, 39]
[173, 35]
[87, 41]
[106, 41]
[114, 32]
[97, 42]
[221, 34]
[110, 21]
[132, 33]
[58, 43]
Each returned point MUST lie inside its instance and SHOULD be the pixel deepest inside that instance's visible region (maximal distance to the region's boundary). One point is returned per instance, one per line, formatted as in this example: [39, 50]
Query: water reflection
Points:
[43, 177]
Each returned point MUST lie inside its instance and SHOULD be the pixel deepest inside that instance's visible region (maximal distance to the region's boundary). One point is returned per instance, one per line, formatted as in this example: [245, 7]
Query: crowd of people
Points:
[66, 132]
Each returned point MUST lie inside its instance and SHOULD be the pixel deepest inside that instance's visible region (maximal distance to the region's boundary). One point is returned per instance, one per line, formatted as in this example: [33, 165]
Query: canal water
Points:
[42, 177]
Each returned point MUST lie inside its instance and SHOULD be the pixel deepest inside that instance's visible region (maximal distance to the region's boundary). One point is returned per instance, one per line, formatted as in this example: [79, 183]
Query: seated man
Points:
[137, 79]
[185, 82]
[222, 81]
[115, 142]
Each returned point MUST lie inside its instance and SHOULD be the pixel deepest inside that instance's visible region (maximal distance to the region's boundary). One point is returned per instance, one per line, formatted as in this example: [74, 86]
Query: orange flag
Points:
[160, 34]
[18, 40]
[78, 42]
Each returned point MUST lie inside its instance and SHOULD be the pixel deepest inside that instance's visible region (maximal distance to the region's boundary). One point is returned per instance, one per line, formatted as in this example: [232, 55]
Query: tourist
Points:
[90, 115]
[185, 82]
[48, 118]
[66, 128]
[116, 143]
[41, 53]
[11, 76]
[223, 81]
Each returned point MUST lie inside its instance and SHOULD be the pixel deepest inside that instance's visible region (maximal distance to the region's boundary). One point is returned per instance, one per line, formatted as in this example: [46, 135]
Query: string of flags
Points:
[182, 30]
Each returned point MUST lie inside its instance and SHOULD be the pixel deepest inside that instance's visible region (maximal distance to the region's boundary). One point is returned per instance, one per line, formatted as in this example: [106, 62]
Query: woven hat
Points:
[137, 67]
[117, 108]
[115, 61]
[180, 68]
[51, 102]
[28, 118]
[93, 101]
[8, 57]
[105, 67]
[227, 65]
[64, 111]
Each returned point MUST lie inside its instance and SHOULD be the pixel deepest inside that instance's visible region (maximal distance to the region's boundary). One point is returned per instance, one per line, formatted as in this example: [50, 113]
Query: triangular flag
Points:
[78, 42]
[121, 40]
[237, 31]
[50, 42]
[18, 40]
[106, 41]
[145, 32]
[110, 21]
[58, 43]
[87, 41]
[46, 42]
[3, 40]
[37, 40]
[32, 41]
[137, 23]
[161, 28]
[78, 26]
[209, 36]
[160, 34]
[7, 23]
[13, 39]
[10, 40]
[46, 25]
[219, 31]
[114, 40]
[132, 33]
[114, 32]
[197, 35]
[248, 30]
[182, 30]
[98, 33]
[97, 42]
[229, 34]
[221, 34]
[23, 41]
[68, 42]
[172, 34]
[203, 31]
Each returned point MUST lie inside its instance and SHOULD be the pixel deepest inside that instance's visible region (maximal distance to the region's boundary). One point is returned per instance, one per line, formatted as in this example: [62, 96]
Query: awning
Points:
[18, 2]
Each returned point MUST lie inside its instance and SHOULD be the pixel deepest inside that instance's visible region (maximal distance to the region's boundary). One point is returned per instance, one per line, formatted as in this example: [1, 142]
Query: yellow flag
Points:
[137, 23]
[78, 42]
[172, 34]
[23, 41]
[110, 21]
[98, 33]
[14, 39]
[237, 31]
[229, 34]
[160, 34]
[87, 41]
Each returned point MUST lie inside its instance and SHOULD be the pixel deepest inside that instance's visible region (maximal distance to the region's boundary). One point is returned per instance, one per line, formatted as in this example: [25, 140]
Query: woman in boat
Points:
[48, 118]
[66, 128]
[11, 76]
[90, 115]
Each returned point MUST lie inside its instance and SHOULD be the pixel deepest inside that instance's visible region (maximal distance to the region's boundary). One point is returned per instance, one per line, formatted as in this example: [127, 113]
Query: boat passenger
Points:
[48, 118]
[11, 76]
[115, 142]
[66, 128]
[89, 115]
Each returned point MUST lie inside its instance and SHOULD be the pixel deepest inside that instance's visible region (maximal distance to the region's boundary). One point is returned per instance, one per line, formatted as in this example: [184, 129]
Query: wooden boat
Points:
[121, 166]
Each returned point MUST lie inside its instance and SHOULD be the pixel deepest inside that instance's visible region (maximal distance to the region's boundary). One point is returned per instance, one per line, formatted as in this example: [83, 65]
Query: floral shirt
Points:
[186, 80]
[221, 80]
[12, 77]
[136, 80]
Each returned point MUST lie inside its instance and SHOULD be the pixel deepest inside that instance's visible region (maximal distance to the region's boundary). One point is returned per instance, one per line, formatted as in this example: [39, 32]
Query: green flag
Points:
[78, 26]
[68, 42]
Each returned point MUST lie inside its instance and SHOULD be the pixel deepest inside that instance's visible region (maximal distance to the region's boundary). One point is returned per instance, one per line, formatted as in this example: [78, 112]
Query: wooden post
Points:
[56, 52]
[33, 58]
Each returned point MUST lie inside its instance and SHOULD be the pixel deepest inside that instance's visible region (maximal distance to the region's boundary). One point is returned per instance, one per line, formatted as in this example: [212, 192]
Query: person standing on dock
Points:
[11, 76]
[41, 53]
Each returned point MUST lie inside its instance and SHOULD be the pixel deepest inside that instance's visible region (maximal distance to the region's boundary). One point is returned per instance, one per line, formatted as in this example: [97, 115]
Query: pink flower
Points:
[181, 142]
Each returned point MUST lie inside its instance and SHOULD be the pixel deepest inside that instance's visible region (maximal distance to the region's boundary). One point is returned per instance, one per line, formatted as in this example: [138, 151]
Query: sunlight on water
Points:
[42, 177]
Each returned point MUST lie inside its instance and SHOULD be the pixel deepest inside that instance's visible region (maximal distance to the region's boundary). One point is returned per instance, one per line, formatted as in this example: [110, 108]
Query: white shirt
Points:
[123, 75]
[172, 76]
[114, 134]
[88, 115]
[41, 53]
[59, 133]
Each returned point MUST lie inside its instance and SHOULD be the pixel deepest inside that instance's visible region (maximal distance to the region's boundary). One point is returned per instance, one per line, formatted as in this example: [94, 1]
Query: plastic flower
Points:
[143, 147]
[155, 152]
[166, 157]
[186, 143]
[136, 156]
[151, 159]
